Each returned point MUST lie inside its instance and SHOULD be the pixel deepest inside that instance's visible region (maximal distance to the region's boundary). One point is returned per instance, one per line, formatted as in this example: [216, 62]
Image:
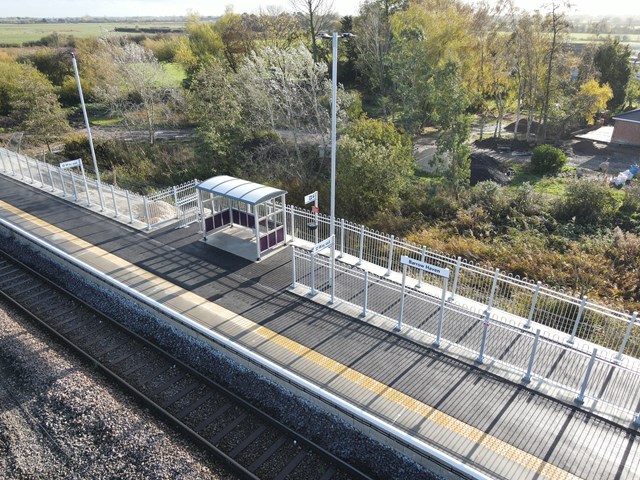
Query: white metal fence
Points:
[524, 303]
[151, 211]
[541, 355]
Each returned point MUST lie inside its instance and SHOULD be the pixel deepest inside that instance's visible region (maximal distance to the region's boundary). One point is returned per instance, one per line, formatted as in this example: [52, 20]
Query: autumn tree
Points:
[237, 38]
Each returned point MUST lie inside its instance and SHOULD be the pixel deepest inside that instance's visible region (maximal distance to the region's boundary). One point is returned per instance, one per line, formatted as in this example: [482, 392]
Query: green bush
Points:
[547, 159]
[590, 202]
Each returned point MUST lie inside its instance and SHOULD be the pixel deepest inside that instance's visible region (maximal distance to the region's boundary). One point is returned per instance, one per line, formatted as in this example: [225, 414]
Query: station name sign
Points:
[71, 164]
[312, 197]
[322, 245]
[410, 262]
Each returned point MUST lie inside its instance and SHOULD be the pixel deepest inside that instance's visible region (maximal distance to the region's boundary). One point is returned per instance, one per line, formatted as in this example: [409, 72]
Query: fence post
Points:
[341, 238]
[493, 291]
[50, 177]
[441, 319]
[313, 274]
[361, 245]
[527, 377]
[64, 187]
[146, 212]
[423, 254]
[580, 397]
[455, 280]
[293, 267]
[40, 175]
[73, 184]
[626, 336]
[29, 169]
[175, 200]
[129, 206]
[486, 321]
[390, 261]
[13, 172]
[366, 294]
[20, 166]
[575, 326]
[4, 166]
[293, 224]
[115, 204]
[404, 283]
[533, 305]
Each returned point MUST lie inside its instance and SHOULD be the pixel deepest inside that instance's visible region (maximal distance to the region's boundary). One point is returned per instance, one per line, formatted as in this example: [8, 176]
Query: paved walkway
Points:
[502, 428]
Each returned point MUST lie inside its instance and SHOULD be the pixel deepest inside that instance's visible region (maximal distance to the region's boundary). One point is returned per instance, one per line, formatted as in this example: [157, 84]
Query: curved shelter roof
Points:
[238, 189]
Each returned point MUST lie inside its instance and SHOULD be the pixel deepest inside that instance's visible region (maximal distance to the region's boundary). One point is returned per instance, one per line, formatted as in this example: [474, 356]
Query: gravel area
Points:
[58, 419]
[351, 445]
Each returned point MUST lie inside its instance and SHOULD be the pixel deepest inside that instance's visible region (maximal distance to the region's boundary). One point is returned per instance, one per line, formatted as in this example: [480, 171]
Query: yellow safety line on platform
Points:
[514, 454]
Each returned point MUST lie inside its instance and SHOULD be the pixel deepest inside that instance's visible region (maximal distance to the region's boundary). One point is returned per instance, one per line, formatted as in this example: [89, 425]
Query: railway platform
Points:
[501, 428]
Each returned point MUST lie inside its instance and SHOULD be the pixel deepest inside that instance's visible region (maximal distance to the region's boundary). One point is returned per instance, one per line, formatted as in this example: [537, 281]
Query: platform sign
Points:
[410, 262]
[322, 245]
[312, 197]
[71, 164]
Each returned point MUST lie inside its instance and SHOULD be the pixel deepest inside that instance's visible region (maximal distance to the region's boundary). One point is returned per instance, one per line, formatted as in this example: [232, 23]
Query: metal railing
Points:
[522, 302]
[151, 211]
[576, 371]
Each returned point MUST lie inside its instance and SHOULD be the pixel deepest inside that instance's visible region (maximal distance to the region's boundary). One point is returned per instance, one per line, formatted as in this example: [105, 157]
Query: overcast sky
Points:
[125, 8]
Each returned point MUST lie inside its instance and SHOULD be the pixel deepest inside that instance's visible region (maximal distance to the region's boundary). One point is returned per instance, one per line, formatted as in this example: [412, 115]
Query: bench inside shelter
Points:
[241, 217]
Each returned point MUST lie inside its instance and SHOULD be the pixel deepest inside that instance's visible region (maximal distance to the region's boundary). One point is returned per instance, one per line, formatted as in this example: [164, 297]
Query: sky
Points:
[124, 8]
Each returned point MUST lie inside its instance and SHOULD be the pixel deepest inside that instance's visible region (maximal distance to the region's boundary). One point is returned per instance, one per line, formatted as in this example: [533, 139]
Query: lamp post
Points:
[86, 122]
[334, 94]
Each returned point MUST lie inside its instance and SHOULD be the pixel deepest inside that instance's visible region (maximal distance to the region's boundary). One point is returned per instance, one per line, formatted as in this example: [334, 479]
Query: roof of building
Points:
[238, 189]
[632, 116]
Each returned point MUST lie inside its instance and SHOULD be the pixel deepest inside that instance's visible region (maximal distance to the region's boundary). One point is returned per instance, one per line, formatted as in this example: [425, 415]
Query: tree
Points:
[317, 14]
[28, 98]
[376, 162]
[557, 24]
[591, 99]
[134, 85]
[201, 44]
[373, 43]
[236, 38]
[612, 61]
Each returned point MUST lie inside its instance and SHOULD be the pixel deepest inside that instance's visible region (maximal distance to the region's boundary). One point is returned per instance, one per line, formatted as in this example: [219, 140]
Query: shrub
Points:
[590, 202]
[547, 159]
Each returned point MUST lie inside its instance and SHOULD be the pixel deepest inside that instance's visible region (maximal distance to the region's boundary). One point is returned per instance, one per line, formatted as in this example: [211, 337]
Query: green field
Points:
[18, 34]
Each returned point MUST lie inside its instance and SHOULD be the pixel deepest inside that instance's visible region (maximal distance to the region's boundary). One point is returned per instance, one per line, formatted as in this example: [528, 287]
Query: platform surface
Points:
[502, 428]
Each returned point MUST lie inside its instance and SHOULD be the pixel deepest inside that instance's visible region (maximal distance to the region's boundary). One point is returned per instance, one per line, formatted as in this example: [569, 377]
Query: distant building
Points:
[626, 129]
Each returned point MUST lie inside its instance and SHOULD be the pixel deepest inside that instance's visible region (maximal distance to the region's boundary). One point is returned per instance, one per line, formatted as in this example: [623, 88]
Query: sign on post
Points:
[312, 197]
[326, 243]
[71, 164]
[410, 262]
[441, 272]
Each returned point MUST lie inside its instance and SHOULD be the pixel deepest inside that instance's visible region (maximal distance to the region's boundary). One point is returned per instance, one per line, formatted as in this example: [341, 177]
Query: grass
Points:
[554, 186]
[17, 34]
[174, 74]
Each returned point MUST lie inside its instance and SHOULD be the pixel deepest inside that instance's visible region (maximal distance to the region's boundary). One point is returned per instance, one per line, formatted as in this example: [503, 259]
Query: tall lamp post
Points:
[334, 94]
[86, 122]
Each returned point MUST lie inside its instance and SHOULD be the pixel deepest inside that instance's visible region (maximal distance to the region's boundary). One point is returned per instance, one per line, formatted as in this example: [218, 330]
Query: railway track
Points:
[248, 440]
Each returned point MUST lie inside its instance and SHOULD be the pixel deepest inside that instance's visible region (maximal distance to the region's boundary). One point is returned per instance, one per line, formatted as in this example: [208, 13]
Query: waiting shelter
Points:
[242, 217]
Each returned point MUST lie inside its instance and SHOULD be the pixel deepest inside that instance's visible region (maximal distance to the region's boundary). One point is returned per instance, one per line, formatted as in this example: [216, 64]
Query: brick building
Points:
[626, 129]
